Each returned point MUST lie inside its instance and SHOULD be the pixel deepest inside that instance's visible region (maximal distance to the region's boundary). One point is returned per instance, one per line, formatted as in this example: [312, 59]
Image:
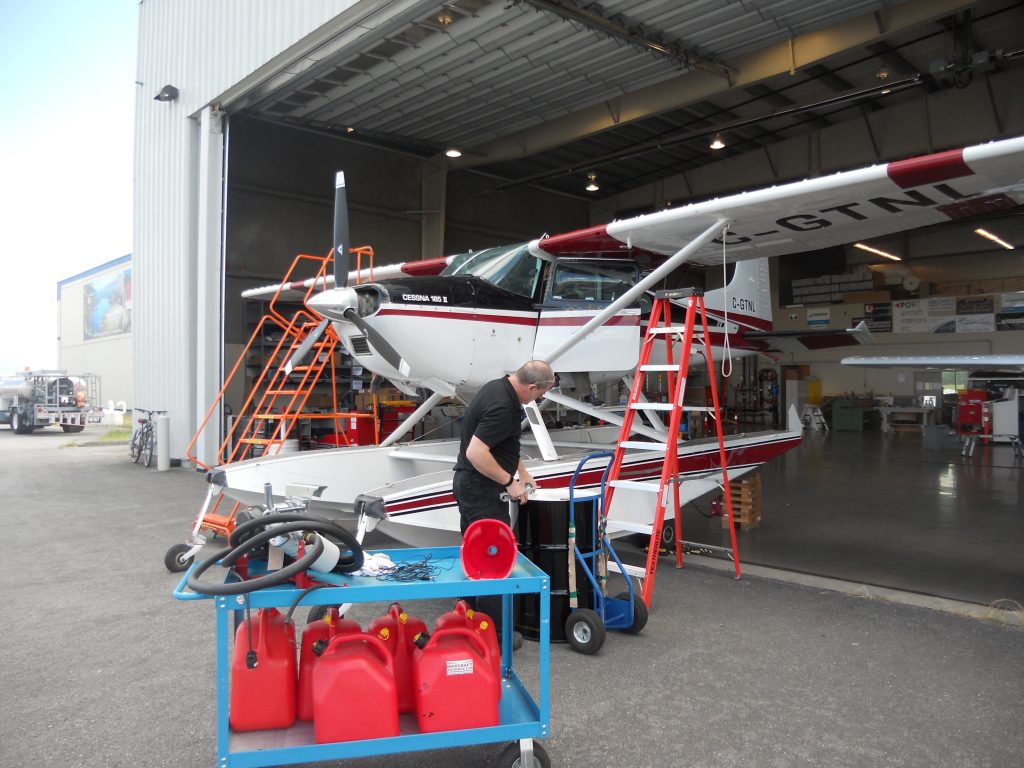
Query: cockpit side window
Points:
[592, 282]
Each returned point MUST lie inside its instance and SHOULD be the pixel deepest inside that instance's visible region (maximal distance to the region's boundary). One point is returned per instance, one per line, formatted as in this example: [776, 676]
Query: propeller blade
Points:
[376, 339]
[305, 346]
[341, 244]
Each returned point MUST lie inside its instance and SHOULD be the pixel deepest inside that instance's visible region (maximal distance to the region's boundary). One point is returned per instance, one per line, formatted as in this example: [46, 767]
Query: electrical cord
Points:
[243, 540]
[416, 570]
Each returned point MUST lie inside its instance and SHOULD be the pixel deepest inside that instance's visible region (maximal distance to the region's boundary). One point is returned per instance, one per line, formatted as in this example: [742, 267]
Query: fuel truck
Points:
[34, 399]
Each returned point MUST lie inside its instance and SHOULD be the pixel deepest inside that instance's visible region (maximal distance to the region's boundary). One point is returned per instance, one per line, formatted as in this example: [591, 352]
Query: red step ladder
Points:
[660, 328]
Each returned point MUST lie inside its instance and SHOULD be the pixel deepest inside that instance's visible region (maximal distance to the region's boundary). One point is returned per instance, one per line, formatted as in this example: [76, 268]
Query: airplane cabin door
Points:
[579, 289]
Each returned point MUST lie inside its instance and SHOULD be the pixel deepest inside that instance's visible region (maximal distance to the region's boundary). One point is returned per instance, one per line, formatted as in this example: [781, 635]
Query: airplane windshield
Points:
[511, 267]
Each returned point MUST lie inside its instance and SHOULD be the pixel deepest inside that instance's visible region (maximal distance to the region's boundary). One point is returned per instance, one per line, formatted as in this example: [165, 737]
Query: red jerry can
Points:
[315, 638]
[456, 686]
[263, 692]
[397, 630]
[354, 694]
[464, 616]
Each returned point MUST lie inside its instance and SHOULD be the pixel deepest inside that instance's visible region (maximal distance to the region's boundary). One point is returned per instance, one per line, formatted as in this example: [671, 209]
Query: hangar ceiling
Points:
[545, 92]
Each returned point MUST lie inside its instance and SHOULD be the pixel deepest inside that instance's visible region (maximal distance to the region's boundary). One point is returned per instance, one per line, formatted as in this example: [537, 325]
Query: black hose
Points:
[240, 543]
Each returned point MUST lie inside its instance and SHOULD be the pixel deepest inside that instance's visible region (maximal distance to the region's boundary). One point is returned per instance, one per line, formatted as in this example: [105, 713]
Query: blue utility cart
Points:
[522, 718]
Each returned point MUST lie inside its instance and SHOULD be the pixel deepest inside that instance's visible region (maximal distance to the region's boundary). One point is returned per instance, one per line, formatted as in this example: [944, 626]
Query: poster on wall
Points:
[877, 317]
[1010, 316]
[818, 317]
[107, 303]
[924, 316]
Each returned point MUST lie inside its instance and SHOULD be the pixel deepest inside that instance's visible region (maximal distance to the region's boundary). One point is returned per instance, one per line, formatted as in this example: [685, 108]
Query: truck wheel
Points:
[72, 427]
[18, 423]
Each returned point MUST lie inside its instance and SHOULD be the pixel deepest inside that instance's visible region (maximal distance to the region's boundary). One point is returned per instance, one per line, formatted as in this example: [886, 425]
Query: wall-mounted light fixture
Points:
[453, 152]
[877, 252]
[592, 186]
[167, 93]
[989, 236]
[717, 142]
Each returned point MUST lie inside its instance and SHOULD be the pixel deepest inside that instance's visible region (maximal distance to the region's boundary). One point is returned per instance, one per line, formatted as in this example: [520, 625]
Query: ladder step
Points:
[622, 525]
[284, 391]
[651, 406]
[671, 329]
[257, 441]
[635, 485]
[660, 367]
[642, 446]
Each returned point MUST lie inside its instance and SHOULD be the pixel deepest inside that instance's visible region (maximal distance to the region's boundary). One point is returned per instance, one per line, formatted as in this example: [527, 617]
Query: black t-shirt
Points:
[494, 416]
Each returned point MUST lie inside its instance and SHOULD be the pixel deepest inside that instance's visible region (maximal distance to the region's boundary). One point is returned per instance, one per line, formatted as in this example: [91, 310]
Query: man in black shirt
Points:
[489, 452]
[489, 457]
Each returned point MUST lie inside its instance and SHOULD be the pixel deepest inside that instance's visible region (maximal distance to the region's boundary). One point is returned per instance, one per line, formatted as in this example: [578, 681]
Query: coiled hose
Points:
[244, 538]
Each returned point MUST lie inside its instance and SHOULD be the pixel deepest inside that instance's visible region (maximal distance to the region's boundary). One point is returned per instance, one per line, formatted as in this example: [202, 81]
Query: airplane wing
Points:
[822, 212]
[808, 341]
[944, 362]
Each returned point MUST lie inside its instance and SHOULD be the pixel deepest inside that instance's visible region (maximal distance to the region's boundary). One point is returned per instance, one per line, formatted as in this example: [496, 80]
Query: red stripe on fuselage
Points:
[478, 316]
[930, 169]
[584, 319]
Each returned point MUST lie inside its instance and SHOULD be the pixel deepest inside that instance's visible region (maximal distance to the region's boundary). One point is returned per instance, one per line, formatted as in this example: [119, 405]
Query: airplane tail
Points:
[747, 298]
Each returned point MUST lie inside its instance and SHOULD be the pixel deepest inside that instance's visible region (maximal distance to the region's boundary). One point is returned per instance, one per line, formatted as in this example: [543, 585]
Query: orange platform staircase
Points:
[302, 356]
[661, 330]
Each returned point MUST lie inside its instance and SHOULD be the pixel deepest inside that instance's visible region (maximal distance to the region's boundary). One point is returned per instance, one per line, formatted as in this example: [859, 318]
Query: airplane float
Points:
[579, 301]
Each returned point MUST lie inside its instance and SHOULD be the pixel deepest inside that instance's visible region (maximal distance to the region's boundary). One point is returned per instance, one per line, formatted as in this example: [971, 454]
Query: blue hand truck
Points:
[585, 628]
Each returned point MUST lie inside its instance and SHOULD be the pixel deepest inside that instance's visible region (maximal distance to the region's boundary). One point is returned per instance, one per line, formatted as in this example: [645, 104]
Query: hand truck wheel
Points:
[585, 631]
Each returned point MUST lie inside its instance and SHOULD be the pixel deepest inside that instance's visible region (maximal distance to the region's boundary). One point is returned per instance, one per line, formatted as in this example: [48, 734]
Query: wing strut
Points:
[637, 290]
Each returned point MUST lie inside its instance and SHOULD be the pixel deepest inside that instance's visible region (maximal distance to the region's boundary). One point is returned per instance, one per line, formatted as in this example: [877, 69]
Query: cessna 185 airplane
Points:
[579, 301]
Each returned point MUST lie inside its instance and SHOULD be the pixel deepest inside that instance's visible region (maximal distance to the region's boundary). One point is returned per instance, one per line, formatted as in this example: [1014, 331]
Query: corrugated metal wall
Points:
[203, 49]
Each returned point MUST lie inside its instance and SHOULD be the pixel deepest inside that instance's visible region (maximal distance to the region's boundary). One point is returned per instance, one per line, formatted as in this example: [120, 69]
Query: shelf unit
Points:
[521, 715]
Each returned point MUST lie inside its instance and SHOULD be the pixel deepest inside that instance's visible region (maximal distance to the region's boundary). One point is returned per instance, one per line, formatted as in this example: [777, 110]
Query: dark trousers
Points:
[479, 498]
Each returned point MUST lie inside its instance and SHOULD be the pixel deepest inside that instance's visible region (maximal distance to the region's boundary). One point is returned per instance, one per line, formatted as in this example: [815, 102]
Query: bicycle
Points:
[144, 438]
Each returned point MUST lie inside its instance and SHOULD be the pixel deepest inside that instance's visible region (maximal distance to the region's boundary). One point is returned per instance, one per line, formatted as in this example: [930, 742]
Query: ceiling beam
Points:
[751, 68]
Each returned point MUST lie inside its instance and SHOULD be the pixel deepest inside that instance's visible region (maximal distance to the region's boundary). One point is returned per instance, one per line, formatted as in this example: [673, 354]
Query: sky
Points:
[67, 111]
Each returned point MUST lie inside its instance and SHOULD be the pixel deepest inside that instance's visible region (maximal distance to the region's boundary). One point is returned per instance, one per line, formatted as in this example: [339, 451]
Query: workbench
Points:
[522, 717]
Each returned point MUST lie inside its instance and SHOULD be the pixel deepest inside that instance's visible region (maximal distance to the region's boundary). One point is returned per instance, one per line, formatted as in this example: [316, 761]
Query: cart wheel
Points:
[668, 533]
[639, 612]
[316, 613]
[511, 757]
[175, 560]
[585, 631]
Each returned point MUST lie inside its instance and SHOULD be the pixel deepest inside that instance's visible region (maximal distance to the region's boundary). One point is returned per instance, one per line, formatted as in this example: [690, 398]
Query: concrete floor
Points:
[887, 511]
[101, 667]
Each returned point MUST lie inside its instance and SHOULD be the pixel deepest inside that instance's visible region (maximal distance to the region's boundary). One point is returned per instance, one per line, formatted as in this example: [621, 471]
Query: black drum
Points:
[542, 532]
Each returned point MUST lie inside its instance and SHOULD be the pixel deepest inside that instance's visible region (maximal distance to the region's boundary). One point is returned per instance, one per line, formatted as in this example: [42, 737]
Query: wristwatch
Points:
[511, 480]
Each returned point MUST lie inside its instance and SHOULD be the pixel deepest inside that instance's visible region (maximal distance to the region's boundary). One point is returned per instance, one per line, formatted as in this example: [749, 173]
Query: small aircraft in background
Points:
[579, 300]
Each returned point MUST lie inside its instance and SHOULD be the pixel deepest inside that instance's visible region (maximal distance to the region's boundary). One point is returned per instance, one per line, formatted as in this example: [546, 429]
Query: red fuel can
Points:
[456, 686]
[397, 630]
[354, 695]
[464, 616]
[315, 637]
[264, 696]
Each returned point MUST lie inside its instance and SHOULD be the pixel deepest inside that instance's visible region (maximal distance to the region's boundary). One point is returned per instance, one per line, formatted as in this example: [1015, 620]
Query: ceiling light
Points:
[717, 142]
[350, 129]
[989, 236]
[167, 93]
[875, 251]
[453, 152]
[592, 186]
[882, 73]
[444, 18]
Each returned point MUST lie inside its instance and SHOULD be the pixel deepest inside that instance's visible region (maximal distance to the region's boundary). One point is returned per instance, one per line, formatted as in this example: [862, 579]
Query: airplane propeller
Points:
[341, 269]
